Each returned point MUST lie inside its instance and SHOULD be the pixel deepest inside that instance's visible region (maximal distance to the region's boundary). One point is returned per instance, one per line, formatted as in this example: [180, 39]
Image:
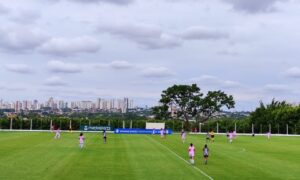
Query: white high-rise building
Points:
[98, 103]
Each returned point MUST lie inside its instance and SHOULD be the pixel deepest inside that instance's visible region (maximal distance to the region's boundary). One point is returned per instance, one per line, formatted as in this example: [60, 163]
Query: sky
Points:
[88, 49]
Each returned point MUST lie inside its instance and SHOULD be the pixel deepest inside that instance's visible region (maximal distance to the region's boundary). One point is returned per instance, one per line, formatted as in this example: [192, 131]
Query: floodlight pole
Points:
[51, 125]
[30, 124]
[217, 127]
[11, 119]
[70, 126]
[235, 127]
[200, 127]
[287, 129]
[252, 128]
[131, 124]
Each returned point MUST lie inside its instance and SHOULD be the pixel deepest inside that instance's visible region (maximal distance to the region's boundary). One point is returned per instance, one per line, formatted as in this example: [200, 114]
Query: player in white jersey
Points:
[269, 135]
[81, 140]
[183, 135]
[57, 133]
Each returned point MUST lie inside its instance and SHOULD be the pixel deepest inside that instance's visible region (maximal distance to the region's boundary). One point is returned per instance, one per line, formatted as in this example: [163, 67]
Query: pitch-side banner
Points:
[140, 131]
[95, 128]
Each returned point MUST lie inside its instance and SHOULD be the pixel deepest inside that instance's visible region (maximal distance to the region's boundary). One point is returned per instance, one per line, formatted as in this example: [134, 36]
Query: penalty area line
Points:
[196, 168]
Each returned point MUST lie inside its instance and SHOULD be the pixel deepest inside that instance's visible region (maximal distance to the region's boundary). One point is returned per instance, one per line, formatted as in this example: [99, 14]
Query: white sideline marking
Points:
[203, 173]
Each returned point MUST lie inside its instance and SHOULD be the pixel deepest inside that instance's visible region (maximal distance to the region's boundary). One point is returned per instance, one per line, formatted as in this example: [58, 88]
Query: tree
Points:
[212, 103]
[183, 97]
[161, 112]
[188, 101]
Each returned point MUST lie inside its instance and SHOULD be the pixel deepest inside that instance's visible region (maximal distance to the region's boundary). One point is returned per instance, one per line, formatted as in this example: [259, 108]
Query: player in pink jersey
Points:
[57, 133]
[162, 134]
[234, 134]
[230, 137]
[183, 136]
[269, 135]
[81, 140]
[192, 153]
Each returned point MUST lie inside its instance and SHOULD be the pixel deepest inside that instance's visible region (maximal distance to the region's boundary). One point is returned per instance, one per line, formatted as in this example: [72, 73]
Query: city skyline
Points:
[76, 50]
[111, 105]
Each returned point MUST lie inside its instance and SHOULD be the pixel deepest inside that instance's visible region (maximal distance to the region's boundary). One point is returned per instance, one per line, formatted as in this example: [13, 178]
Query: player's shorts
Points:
[191, 154]
[205, 155]
[212, 136]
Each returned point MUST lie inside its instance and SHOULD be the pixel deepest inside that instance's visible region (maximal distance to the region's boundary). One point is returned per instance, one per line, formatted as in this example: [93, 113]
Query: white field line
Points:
[203, 173]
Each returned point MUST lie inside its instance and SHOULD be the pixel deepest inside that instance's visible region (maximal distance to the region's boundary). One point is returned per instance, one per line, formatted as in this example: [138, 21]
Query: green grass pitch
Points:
[38, 156]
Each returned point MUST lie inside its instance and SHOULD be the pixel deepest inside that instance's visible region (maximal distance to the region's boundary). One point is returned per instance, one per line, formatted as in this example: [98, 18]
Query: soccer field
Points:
[38, 156]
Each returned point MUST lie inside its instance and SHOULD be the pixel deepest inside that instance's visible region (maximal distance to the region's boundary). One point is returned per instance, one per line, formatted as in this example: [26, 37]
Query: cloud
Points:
[25, 16]
[21, 39]
[293, 72]
[3, 9]
[147, 36]
[254, 6]
[276, 88]
[62, 67]
[117, 2]
[215, 81]
[157, 72]
[70, 46]
[117, 65]
[228, 53]
[120, 65]
[19, 68]
[200, 33]
[55, 81]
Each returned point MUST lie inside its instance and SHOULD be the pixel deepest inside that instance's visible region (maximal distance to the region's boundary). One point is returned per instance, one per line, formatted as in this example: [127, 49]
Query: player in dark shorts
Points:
[212, 136]
[205, 153]
[104, 136]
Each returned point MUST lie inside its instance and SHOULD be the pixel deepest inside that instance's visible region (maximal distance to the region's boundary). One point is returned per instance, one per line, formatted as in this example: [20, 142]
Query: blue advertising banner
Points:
[140, 131]
[94, 128]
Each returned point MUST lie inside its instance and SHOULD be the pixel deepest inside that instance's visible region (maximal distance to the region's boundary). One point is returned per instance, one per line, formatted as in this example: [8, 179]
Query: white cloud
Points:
[62, 67]
[157, 72]
[21, 39]
[147, 36]
[293, 72]
[19, 68]
[254, 6]
[25, 16]
[116, 65]
[3, 9]
[276, 88]
[120, 65]
[201, 33]
[117, 2]
[215, 81]
[70, 46]
[55, 81]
